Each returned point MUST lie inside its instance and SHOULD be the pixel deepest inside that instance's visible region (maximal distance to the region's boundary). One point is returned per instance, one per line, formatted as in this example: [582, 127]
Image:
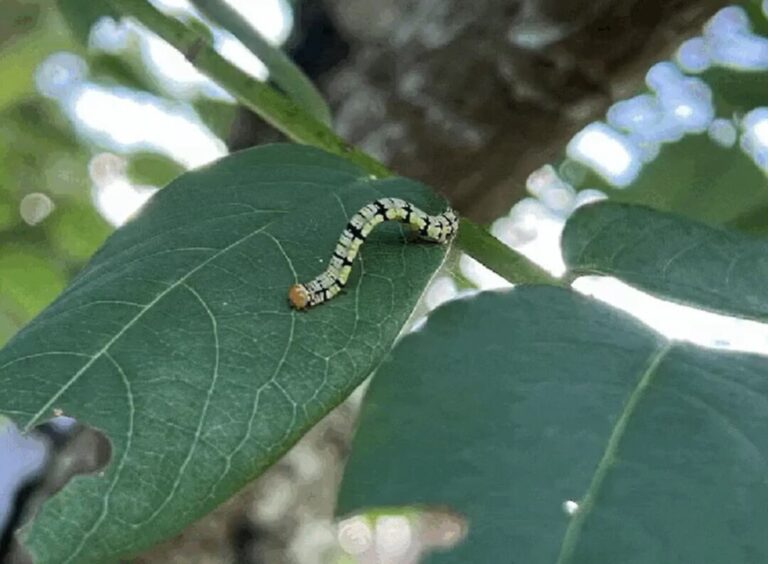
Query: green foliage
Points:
[8, 216]
[282, 70]
[661, 443]
[710, 268]
[218, 116]
[177, 341]
[80, 15]
[126, 71]
[152, 169]
[25, 46]
[75, 230]
[700, 179]
[30, 281]
[41, 154]
[17, 18]
[697, 178]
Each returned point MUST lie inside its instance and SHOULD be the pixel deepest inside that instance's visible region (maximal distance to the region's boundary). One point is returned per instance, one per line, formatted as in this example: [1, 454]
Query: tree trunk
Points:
[470, 97]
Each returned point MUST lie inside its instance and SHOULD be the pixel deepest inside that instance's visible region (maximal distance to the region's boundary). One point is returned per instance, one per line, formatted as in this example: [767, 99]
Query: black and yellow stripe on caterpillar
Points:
[434, 228]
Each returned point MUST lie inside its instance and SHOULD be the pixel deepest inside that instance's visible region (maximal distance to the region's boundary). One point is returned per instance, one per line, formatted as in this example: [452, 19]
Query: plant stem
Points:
[277, 110]
[282, 70]
[289, 118]
[495, 255]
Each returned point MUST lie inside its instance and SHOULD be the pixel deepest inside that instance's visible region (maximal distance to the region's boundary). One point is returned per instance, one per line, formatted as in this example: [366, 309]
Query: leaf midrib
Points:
[145, 308]
[586, 504]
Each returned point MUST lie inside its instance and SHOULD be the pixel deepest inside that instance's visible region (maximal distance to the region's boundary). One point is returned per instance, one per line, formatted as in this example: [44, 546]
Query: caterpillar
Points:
[435, 228]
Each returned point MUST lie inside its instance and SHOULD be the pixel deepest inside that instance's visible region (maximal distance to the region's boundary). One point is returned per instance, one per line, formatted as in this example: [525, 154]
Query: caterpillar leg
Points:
[437, 229]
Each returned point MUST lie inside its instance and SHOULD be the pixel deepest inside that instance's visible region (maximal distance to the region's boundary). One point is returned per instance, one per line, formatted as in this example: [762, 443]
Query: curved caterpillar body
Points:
[434, 228]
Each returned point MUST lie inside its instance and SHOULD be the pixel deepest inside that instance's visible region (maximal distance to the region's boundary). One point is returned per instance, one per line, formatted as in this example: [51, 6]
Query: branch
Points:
[277, 110]
[289, 118]
[501, 259]
[282, 70]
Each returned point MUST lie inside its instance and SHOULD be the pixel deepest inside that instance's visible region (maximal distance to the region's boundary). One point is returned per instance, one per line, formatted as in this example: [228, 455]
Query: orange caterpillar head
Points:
[298, 296]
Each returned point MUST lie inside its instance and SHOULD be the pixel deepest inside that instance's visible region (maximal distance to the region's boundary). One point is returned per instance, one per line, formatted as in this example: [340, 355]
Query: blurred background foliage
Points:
[40, 155]
[50, 218]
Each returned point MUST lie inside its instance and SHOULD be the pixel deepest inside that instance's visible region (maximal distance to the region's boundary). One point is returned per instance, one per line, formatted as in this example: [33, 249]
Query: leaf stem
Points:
[276, 109]
[288, 117]
[282, 70]
[495, 255]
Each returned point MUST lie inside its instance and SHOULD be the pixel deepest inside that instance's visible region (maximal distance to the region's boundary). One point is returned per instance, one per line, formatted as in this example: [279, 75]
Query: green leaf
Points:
[753, 221]
[507, 405]
[76, 230]
[217, 116]
[38, 124]
[21, 57]
[757, 20]
[9, 209]
[694, 264]
[39, 153]
[80, 15]
[126, 70]
[736, 91]
[152, 168]
[282, 70]
[178, 343]
[30, 280]
[699, 179]
[9, 324]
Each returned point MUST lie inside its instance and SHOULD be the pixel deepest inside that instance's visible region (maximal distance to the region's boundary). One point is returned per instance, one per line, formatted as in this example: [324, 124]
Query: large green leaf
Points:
[507, 405]
[681, 260]
[177, 341]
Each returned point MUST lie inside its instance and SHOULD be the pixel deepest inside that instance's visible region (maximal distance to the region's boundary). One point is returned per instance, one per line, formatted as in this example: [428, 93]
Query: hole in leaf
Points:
[36, 465]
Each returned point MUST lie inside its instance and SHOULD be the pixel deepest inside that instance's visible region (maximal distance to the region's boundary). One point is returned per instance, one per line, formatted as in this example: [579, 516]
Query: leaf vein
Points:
[573, 531]
[76, 376]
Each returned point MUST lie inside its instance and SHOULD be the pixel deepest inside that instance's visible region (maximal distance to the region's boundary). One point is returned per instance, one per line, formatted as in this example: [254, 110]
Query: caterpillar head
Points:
[298, 296]
[452, 224]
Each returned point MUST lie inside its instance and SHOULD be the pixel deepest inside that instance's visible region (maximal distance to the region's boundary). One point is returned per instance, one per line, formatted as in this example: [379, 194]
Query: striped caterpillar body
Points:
[434, 228]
